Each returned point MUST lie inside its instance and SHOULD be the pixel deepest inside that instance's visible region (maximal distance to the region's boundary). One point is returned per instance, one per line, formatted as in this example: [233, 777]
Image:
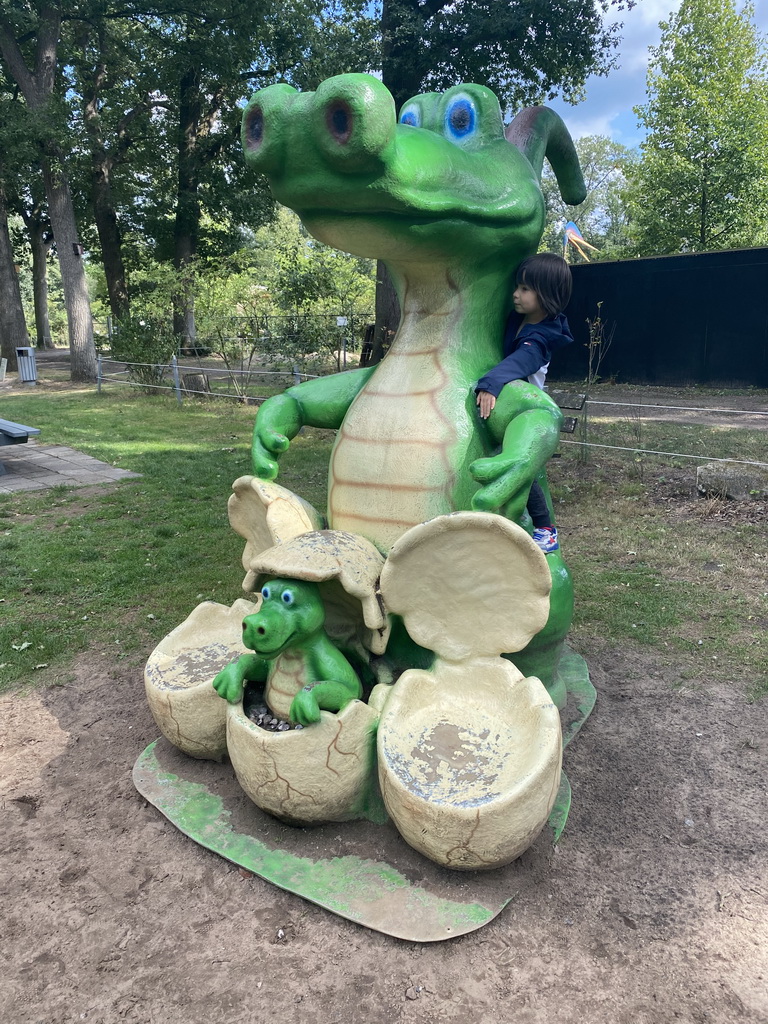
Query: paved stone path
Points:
[33, 467]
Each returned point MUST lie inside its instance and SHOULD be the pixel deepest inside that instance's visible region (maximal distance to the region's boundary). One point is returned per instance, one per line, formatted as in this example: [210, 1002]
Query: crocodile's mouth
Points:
[270, 652]
[407, 217]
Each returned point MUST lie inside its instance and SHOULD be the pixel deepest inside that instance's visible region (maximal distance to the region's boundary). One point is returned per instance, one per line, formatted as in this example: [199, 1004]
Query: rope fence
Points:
[221, 373]
[635, 411]
[180, 388]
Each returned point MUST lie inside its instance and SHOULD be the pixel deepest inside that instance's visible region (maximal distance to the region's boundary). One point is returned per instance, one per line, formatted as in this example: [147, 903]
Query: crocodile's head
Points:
[442, 183]
[291, 614]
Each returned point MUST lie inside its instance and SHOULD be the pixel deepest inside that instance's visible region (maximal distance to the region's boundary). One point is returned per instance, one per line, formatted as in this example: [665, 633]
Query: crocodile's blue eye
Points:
[266, 593]
[288, 597]
[411, 115]
[460, 118]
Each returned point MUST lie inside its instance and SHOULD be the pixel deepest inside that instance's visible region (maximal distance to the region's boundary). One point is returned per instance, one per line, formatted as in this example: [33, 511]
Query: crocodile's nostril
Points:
[255, 127]
[338, 117]
[261, 631]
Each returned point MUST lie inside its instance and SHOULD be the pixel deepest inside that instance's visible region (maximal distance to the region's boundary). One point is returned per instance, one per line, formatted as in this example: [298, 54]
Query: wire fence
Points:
[275, 381]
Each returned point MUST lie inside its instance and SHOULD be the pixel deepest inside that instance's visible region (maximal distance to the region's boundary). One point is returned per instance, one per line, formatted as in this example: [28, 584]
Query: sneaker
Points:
[546, 538]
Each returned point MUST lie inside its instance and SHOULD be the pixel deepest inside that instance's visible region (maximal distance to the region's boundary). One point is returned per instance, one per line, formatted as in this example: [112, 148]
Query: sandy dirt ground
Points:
[653, 908]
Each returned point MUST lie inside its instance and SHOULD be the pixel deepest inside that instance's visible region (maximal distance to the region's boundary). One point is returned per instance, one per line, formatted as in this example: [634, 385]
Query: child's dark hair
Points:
[550, 277]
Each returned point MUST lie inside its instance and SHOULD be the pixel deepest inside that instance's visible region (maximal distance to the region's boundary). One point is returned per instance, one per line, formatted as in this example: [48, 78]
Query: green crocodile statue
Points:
[302, 669]
[452, 205]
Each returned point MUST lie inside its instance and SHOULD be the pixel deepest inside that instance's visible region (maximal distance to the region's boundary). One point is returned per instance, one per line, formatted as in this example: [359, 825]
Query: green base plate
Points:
[362, 871]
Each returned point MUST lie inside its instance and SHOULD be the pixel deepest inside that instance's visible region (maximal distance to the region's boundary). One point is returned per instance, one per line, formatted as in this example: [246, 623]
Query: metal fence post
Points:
[98, 374]
[176, 384]
[296, 374]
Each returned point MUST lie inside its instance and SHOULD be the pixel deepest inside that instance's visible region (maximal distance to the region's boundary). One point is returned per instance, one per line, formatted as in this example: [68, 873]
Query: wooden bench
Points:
[15, 433]
[570, 400]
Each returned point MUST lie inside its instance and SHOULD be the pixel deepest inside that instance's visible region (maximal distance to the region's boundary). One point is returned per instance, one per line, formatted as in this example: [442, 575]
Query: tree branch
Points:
[14, 58]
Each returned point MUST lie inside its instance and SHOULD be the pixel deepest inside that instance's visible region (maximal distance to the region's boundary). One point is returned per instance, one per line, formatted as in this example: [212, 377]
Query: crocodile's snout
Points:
[350, 121]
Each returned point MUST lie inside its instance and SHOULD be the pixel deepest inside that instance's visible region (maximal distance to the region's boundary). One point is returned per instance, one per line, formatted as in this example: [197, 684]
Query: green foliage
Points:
[148, 345]
[702, 181]
[524, 52]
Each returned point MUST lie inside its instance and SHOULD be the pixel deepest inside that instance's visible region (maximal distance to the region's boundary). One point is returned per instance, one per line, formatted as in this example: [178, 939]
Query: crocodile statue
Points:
[301, 668]
[451, 204]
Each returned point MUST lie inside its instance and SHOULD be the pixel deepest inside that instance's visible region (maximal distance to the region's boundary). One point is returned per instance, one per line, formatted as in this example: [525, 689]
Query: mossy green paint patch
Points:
[370, 892]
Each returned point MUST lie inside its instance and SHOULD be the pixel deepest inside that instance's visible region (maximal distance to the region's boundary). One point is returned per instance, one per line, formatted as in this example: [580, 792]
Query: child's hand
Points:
[486, 402]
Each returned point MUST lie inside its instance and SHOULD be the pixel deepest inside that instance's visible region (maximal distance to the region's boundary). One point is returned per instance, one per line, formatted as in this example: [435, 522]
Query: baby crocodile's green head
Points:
[441, 183]
[291, 614]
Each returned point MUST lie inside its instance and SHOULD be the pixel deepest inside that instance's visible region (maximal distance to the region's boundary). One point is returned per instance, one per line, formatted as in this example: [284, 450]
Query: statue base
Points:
[364, 872]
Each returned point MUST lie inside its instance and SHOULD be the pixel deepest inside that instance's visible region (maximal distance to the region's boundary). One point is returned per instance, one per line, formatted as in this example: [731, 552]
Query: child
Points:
[535, 330]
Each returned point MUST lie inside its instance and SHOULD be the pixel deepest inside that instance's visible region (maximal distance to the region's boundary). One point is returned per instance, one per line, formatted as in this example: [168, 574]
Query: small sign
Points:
[341, 321]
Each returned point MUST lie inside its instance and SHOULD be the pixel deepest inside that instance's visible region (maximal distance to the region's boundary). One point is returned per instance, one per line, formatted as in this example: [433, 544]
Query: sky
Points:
[607, 109]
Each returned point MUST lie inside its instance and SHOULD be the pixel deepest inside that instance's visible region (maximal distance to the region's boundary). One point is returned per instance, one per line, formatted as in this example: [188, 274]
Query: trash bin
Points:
[25, 357]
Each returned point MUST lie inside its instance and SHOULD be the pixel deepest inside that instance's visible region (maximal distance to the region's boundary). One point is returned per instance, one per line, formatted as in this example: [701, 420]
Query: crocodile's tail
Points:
[539, 132]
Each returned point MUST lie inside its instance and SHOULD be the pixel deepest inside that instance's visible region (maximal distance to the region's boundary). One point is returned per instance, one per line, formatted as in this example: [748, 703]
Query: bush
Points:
[147, 346]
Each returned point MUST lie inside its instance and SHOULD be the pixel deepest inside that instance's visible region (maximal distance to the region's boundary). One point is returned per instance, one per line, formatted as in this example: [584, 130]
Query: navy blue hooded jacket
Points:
[526, 353]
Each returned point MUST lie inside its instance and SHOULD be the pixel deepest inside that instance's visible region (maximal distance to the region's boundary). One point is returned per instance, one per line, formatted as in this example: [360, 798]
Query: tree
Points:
[603, 216]
[525, 52]
[702, 181]
[29, 48]
[211, 58]
[13, 326]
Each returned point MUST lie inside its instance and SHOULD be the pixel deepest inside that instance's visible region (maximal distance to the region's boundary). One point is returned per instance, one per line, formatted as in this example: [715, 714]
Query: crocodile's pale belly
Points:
[398, 452]
[286, 677]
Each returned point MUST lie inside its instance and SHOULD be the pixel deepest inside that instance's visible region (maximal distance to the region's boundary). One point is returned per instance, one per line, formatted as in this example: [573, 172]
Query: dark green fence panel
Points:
[694, 319]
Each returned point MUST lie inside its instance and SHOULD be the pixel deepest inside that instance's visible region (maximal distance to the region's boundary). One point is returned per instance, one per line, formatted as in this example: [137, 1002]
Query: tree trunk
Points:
[40, 243]
[110, 239]
[37, 88]
[76, 299]
[187, 223]
[104, 213]
[13, 326]
[387, 314]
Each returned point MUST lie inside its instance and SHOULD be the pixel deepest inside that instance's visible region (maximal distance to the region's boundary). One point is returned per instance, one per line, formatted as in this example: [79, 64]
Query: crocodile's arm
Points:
[336, 684]
[230, 681]
[527, 424]
[315, 403]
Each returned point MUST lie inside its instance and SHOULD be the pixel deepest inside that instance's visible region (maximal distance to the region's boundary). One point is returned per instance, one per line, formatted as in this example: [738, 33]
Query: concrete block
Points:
[742, 483]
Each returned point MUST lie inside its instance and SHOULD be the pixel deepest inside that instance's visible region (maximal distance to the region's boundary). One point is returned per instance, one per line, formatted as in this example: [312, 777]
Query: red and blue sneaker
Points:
[546, 538]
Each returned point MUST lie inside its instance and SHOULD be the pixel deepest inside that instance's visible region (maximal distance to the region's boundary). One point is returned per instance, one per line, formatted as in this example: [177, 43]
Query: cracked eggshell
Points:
[266, 514]
[320, 773]
[468, 584]
[179, 674]
[469, 761]
[346, 568]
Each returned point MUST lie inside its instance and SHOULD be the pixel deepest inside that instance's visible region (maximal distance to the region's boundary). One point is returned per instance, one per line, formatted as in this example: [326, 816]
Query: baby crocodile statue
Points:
[452, 205]
[302, 669]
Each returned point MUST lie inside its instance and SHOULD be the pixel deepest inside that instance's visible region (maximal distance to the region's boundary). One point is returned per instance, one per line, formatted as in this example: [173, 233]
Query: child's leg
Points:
[538, 509]
[544, 533]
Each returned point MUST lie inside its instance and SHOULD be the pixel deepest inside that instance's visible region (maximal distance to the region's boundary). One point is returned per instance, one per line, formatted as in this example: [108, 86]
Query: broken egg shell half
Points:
[179, 674]
[469, 761]
[320, 773]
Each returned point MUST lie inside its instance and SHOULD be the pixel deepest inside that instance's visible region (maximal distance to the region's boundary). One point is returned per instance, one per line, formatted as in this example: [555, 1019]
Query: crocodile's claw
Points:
[265, 467]
[507, 483]
[229, 683]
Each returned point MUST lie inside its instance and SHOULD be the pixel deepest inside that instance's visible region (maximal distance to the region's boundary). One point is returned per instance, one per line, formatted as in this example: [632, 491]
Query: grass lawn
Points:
[111, 570]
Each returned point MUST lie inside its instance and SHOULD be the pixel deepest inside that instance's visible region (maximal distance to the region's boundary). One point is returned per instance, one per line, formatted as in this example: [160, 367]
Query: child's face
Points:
[526, 301]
